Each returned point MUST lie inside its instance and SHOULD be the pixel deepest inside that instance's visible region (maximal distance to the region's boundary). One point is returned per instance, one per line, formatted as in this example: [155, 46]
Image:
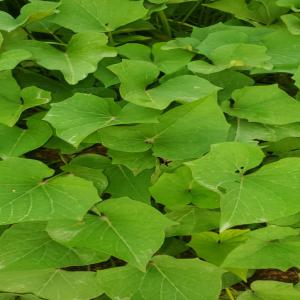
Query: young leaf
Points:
[98, 15]
[127, 229]
[52, 284]
[26, 196]
[166, 278]
[27, 246]
[264, 195]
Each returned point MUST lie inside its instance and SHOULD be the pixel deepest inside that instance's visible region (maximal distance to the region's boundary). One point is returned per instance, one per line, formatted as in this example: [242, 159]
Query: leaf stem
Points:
[110, 37]
[165, 23]
[229, 294]
[194, 7]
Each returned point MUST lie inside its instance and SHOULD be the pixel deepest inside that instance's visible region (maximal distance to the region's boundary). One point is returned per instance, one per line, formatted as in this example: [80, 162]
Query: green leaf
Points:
[166, 278]
[11, 58]
[191, 219]
[27, 246]
[248, 196]
[11, 105]
[244, 131]
[52, 284]
[122, 182]
[271, 290]
[79, 116]
[80, 58]
[15, 141]
[292, 4]
[215, 247]
[135, 51]
[178, 134]
[266, 104]
[135, 162]
[98, 15]
[136, 75]
[292, 22]
[127, 229]
[269, 247]
[296, 77]
[177, 189]
[90, 167]
[169, 61]
[30, 12]
[27, 197]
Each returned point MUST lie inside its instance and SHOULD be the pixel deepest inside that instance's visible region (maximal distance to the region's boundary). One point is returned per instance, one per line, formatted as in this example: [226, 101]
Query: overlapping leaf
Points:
[263, 195]
[166, 278]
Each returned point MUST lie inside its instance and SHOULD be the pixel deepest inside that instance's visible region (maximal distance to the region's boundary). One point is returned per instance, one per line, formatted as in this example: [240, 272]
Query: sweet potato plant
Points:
[149, 149]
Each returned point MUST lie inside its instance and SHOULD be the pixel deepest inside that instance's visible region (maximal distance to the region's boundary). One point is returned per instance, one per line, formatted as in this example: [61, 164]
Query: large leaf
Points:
[266, 194]
[27, 246]
[15, 141]
[264, 104]
[80, 58]
[270, 247]
[166, 278]
[136, 75]
[52, 284]
[79, 116]
[98, 15]
[184, 132]
[127, 229]
[26, 196]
